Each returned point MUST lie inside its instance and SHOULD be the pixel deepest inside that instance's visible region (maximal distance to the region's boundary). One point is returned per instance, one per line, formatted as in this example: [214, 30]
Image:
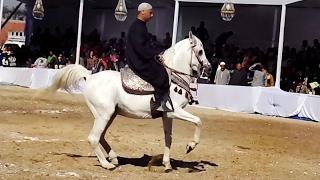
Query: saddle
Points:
[133, 84]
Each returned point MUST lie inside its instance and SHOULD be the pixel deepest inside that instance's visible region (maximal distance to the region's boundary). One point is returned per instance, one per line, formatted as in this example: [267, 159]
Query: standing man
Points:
[222, 75]
[140, 56]
[202, 33]
[239, 76]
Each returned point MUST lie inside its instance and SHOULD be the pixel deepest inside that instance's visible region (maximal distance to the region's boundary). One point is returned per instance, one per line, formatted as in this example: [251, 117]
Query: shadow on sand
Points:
[149, 161]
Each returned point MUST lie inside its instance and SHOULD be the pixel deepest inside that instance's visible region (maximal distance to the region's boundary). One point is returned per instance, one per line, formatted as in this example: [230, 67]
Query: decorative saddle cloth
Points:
[133, 84]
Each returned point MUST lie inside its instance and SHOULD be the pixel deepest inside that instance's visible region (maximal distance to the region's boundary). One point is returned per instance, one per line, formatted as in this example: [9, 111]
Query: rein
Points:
[161, 60]
[177, 79]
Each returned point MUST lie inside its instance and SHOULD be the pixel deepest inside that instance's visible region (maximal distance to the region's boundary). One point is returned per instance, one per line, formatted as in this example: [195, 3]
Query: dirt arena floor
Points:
[46, 138]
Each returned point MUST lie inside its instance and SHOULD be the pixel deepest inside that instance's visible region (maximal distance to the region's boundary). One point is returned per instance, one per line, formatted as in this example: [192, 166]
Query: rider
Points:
[141, 55]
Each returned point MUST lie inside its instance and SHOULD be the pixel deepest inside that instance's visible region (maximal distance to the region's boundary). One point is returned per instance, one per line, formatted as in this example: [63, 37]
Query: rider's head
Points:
[145, 12]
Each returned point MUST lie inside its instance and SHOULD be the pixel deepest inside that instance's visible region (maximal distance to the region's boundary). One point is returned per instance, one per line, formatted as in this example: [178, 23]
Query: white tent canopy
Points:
[283, 3]
[256, 2]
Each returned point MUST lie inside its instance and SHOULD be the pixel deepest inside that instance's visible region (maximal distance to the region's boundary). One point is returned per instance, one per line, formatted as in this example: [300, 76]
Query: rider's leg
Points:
[161, 84]
[162, 100]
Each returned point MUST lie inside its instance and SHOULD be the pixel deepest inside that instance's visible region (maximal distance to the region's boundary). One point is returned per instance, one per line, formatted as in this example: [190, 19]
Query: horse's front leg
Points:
[167, 128]
[181, 114]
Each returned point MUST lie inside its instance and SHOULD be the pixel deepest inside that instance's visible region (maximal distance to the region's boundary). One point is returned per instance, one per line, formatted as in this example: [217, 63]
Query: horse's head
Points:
[187, 57]
[198, 60]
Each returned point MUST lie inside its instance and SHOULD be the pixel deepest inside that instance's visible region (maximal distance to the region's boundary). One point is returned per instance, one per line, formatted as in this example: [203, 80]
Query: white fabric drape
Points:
[263, 100]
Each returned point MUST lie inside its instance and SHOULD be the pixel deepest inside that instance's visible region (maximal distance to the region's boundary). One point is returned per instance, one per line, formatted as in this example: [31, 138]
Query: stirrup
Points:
[164, 106]
[154, 106]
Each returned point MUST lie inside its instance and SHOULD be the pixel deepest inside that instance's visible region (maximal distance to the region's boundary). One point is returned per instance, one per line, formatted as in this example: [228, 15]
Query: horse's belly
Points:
[133, 114]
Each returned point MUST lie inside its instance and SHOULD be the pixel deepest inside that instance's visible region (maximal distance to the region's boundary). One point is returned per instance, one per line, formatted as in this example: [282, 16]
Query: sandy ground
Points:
[46, 138]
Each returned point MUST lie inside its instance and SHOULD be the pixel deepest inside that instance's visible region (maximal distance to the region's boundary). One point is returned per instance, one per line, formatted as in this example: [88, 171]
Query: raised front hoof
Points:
[190, 147]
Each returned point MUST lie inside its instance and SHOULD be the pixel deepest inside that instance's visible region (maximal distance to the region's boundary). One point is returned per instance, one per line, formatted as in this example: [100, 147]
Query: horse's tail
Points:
[68, 78]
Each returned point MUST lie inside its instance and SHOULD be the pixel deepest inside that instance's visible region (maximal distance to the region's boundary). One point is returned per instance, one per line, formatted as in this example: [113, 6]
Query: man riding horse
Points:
[140, 56]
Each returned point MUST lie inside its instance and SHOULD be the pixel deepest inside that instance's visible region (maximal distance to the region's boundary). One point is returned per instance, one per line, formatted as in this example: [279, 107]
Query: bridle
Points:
[176, 75]
[179, 72]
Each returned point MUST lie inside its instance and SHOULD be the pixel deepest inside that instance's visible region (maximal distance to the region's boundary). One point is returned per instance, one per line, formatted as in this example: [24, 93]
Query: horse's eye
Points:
[200, 53]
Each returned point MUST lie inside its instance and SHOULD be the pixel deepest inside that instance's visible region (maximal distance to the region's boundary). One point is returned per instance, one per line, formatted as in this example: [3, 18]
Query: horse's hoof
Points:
[167, 170]
[115, 162]
[109, 166]
[113, 168]
[191, 146]
[189, 149]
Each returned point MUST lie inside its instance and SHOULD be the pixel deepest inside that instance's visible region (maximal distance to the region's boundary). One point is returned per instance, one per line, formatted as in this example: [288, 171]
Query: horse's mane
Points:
[168, 54]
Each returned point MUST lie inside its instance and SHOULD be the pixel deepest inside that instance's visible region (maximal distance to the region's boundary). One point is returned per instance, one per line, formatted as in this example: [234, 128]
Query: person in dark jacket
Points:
[140, 56]
[239, 76]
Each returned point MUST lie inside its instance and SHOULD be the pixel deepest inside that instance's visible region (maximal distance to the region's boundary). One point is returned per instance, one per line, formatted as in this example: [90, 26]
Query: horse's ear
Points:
[192, 40]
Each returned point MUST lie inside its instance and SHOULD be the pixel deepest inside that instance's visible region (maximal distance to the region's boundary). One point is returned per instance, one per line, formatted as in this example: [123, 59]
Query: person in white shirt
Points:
[222, 75]
[259, 76]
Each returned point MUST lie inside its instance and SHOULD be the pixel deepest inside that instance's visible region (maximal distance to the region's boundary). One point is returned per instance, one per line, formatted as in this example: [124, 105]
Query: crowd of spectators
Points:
[56, 50]
[232, 65]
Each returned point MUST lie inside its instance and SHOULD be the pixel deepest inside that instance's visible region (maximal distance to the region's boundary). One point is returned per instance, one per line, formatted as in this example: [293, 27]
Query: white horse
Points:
[106, 98]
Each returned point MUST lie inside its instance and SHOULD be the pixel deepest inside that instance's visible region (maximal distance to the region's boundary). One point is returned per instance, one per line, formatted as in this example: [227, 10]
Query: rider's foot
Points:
[164, 107]
[154, 106]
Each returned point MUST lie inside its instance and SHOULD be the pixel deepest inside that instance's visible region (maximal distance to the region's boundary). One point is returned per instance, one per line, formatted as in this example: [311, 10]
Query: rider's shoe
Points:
[164, 107]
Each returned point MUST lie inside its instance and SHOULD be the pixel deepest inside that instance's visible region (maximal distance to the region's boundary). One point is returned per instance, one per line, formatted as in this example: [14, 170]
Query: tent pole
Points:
[275, 23]
[175, 23]
[79, 31]
[1, 10]
[280, 48]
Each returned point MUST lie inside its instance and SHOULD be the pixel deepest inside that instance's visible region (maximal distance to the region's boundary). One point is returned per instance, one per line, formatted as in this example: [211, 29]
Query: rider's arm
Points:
[142, 46]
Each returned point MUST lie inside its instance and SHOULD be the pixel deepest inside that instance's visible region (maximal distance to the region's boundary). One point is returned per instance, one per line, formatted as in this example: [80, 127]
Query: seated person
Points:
[60, 63]
[92, 62]
[52, 58]
[41, 62]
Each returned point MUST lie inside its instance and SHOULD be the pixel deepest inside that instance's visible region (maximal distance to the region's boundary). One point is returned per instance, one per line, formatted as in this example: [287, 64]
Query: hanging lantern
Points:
[121, 11]
[227, 11]
[38, 11]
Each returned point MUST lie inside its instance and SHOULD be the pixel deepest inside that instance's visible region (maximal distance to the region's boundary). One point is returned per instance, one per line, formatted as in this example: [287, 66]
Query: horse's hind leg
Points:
[102, 116]
[109, 152]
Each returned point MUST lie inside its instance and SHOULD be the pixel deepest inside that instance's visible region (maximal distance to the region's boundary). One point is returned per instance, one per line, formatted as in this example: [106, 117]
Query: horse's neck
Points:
[177, 58]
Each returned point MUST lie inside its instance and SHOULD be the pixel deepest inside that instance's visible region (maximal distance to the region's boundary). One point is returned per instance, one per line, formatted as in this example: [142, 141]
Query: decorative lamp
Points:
[121, 12]
[38, 11]
[227, 11]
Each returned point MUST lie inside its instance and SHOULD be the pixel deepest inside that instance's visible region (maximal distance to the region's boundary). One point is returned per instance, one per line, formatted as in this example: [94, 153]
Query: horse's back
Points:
[102, 84]
[104, 90]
